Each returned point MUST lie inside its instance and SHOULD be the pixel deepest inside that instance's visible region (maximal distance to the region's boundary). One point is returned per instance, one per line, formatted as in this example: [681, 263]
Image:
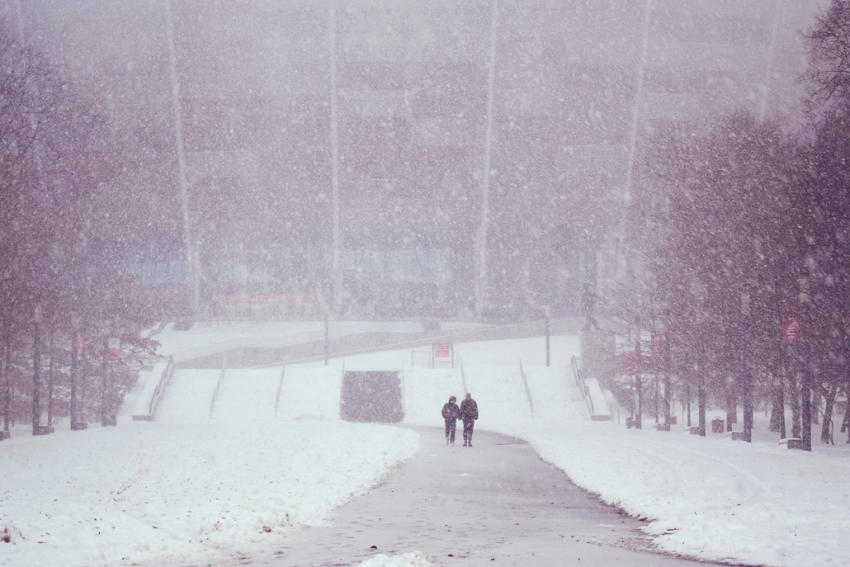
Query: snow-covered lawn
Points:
[713, 498]
[181, 493]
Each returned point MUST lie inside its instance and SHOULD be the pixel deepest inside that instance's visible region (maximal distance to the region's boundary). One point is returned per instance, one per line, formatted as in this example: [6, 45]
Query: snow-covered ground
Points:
[198, 484]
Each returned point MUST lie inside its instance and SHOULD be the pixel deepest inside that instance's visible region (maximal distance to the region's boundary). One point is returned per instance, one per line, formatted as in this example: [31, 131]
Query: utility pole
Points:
[481, 287]
[192, 260]
[336, 252]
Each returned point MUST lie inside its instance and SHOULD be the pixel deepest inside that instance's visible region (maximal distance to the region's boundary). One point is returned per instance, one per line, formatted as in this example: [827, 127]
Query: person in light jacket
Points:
[451, 413]
[468, 413]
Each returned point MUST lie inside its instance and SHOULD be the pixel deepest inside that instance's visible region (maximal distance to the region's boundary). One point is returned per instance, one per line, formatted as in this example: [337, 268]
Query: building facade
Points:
[411, 157]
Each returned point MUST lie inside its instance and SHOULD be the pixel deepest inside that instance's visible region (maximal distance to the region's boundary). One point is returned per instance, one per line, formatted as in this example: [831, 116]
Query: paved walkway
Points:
[495, 503]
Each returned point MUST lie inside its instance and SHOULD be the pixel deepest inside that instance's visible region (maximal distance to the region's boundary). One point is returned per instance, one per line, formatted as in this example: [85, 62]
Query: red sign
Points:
[629, 359]
[114, 348]
[442, 350]
[791, 333]
[656, 346]
[81, 345]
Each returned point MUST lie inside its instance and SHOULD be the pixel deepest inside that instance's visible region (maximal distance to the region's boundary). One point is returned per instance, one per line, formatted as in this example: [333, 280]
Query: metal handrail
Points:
[218, 386]
[158, 392]
[279, 389]
[582, 386]
[527, 389]
[463, 378]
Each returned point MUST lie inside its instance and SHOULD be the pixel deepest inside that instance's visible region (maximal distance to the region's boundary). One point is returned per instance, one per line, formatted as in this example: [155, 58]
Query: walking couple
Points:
[468, 412]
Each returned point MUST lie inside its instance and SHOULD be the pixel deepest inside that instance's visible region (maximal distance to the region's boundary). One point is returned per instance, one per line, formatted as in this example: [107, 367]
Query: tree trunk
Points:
[846, 421]
[36, 377]
[826, 428]
[75, 371]
[782, 378]
[794, 392]
[777, 411]
[731, 407]
[667, 386]
[747, 403]
[815, 405]
[687, 393]
[638, 381]
[50, 372]
[7, 375]
[701, 396]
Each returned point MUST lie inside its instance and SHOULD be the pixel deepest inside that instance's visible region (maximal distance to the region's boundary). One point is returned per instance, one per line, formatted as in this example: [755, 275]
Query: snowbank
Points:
[164, 494]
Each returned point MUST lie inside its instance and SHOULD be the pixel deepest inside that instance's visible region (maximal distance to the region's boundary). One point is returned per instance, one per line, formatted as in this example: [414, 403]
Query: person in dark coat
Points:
[451, 413]
[469, 413]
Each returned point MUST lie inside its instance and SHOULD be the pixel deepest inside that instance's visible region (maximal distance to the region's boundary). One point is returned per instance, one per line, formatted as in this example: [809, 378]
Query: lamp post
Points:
[192, 262]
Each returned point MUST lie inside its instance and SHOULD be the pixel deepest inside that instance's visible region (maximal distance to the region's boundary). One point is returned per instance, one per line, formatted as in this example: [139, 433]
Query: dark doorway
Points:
[371, 396]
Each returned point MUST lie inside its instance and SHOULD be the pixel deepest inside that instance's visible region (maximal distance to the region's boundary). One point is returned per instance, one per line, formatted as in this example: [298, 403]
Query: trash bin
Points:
[717, 425]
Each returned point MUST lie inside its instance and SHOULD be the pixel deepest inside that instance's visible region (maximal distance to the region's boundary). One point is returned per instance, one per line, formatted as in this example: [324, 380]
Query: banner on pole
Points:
[791, 332]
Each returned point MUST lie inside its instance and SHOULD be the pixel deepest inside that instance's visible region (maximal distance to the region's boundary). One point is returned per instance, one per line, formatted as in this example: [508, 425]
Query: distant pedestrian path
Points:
[496, 503]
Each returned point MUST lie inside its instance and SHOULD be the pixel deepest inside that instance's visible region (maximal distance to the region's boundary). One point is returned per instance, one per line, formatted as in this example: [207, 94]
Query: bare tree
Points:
[828, 43]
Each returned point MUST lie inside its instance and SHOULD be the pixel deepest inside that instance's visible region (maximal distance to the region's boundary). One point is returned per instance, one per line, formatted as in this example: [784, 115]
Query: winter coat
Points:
[451, 411]
[469, 410]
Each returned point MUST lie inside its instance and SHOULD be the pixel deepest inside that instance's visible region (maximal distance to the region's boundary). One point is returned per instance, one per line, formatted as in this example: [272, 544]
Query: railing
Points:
[527, 389]
[265, 352]
[159, 391]
[279, 389]
[217, 388]
[463, 378]
[588, 400]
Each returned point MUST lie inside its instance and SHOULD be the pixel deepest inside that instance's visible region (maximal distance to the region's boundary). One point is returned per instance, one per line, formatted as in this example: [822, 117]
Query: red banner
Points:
[114, 348]
[629, 360]
[81, 345]
[656, 346]
[442, 350]
[791, 332]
